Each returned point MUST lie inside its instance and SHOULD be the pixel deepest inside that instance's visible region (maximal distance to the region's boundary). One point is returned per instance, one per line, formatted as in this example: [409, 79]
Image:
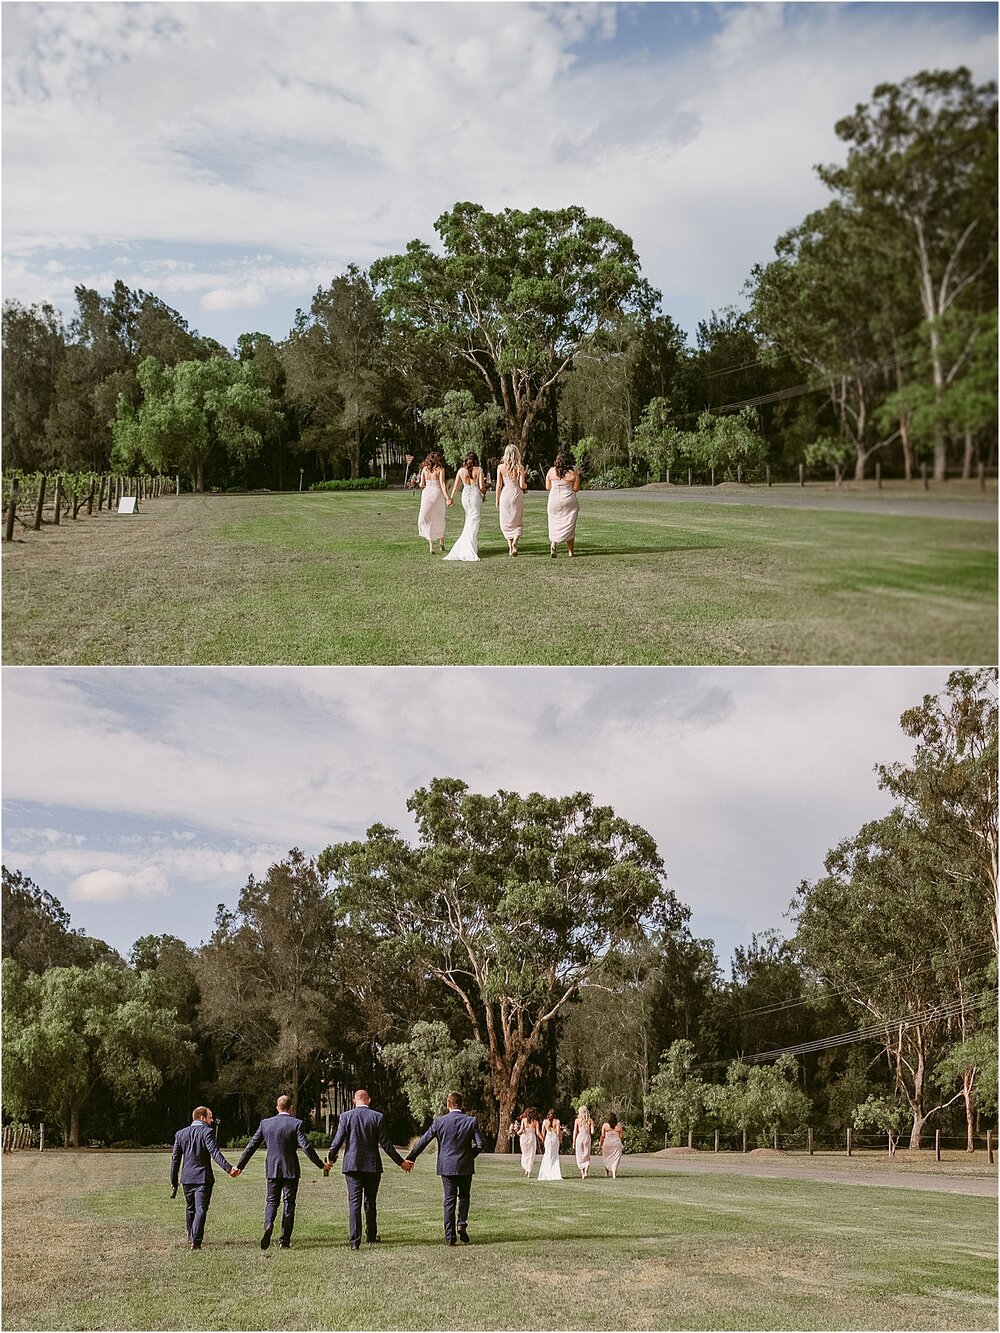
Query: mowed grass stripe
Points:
[333, 578]
[93, 1241]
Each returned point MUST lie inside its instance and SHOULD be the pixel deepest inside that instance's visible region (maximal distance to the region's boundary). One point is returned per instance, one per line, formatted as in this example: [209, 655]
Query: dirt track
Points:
[962, 500]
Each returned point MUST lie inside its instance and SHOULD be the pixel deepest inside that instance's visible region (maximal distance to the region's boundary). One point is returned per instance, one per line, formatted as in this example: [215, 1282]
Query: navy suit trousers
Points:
[281, 1189]
[196, 1201]
[362, 1186]
[457, 1190]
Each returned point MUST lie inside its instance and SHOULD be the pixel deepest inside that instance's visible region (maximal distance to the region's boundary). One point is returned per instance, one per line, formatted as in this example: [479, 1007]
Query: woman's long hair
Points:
[470, 461]
[432, 461]
[564, 463]
[583, 1114]
[512, 461]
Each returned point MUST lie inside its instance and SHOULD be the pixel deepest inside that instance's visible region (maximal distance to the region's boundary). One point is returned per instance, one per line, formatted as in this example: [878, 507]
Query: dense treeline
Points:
[870, 337]
[528, 949]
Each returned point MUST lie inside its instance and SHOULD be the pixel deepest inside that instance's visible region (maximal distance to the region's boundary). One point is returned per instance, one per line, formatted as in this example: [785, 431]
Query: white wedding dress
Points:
[550, 1168]
[467, 546]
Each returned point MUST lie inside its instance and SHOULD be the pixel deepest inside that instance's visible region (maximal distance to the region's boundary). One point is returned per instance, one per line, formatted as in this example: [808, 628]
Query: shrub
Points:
[351, 484]
[612, 479]
[318, 1138]
[126, 1143]
[638, 1139]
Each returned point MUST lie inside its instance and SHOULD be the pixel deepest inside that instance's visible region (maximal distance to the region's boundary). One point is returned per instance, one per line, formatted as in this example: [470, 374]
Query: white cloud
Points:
[114, 886]
[335, 133]
[744, 777]
[234, 298]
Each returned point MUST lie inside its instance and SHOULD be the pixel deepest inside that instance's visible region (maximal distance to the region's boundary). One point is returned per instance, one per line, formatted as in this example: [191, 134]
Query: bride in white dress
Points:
[473, 483]
[551, 1134]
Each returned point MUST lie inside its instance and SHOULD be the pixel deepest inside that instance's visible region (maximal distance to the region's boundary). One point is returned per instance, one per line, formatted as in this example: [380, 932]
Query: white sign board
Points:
[126, 505]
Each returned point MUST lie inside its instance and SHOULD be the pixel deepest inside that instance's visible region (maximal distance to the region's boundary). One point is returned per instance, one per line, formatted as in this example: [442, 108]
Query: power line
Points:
[874, 1031]
[782, 1005]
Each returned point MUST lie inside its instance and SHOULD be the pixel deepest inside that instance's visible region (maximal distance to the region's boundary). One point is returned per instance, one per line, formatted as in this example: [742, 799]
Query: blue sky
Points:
[233, 157]
[144, 797]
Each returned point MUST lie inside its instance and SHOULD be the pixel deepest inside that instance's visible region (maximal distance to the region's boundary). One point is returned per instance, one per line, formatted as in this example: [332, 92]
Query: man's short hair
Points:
[199, 1113]
[284, 1102]
[362, 1092]
[455, 1100]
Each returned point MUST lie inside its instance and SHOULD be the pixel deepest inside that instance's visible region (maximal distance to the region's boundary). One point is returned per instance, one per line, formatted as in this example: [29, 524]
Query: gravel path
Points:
[853, 1171]
[913, 504]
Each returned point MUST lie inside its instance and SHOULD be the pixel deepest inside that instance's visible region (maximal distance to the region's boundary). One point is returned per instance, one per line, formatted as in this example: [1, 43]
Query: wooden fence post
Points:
[809, 1141]
[744, 1140]
[878, 476]
[40, 504]
[668, 476]
[713, 476]
[58, 497]
[769, 474]
[775, 1140]
[802, 474]
[41, 1136]
[689, 476]
[989, 1146]
[937, 1145]
[848, 1143]
[177, 485]
[716, 1140]
[8, 527]
[90, 497]
[690, 1138]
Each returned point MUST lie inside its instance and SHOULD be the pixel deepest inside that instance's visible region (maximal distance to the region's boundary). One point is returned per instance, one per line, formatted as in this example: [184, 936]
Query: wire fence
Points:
[848, 1142]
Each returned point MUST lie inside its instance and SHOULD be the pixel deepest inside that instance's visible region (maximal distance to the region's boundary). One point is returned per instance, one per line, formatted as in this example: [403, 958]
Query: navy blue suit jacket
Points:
[360, 1132]
[196, 1144]
[458, 1143]
[283, 1134]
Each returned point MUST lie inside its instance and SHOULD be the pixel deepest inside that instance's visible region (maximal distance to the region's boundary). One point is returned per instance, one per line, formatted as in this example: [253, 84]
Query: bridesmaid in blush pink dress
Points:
[433, 501]
[583, 1137]
[562, 482]
[512, 482]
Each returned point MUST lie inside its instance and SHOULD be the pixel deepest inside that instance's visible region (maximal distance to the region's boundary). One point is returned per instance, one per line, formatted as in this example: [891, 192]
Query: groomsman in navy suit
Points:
[283, 1136]
[459, 1144]
[361, 1132]
[196, 1146]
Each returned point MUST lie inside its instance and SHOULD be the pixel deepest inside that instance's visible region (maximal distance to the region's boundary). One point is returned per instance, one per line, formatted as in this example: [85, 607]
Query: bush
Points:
[126, 1143]
[351, 484]
[612, 479]
[317, 1138]
[638, 1139]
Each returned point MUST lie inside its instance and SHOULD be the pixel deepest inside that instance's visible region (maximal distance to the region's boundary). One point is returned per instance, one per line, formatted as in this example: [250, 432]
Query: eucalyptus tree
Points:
[430, 1065]
[37, 933]
[74, 1038]
[821, 302]
[921, 175]
[510, 903]
[194, 411]
[333, 362]
[516, 296]
[461, 424]
[34, 348]
[269, 980]
[886, 928]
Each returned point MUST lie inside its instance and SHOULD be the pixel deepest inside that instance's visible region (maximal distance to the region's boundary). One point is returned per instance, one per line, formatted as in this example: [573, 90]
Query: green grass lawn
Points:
[344, 578]
[92, 1241]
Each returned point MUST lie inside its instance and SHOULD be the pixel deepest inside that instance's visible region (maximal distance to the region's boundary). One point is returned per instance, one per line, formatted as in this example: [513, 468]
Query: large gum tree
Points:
[515, 295]
[509, 902]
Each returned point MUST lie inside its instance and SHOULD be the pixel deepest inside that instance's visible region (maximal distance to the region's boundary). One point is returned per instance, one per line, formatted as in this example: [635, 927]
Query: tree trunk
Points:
[74, 1127]
[968, 455]
[904, 435]
[507, 1095]
[199, 477]
[968, 1077]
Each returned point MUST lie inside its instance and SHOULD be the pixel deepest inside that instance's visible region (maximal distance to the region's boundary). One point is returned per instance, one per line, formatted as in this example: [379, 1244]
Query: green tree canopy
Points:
[510, 902]
[192, 410]
[430, 1066]
[515, 296]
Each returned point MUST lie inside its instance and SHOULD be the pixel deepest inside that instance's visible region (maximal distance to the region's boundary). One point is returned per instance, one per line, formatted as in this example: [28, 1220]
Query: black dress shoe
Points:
[355, 1247]
[463, 1235]
[196, 1245]
[450, 1242]
[284, 1244]
[265, 1240]
[374, 1240]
